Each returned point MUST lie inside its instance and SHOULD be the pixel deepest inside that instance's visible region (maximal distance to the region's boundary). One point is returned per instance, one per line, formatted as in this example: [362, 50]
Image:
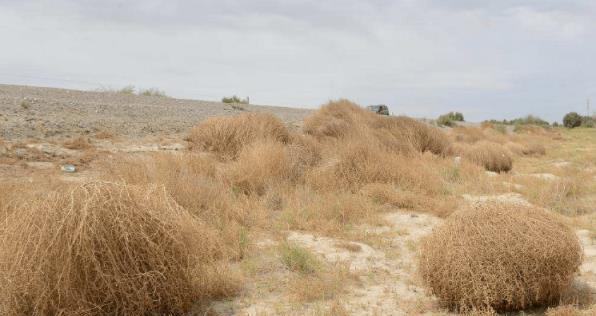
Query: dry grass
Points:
[249, 179]
[381, 193]
[515, 148]
[331, 213]
[261, 165]
[343, 119]
[500, 256]
[468, 134]
[104, 248]
[78, 143]
[534, 148]
[357, 163]
[491, 156]
[350, 246]
[564, 195]
[226, 136]
[565, 310]
[323, 285]
[196, 182]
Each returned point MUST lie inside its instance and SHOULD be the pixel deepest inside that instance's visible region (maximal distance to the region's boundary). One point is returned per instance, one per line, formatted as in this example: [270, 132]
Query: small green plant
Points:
[298, 259]
[25, 104]
[572, 119]
[234, 99]
[130, 89]
[152, 92]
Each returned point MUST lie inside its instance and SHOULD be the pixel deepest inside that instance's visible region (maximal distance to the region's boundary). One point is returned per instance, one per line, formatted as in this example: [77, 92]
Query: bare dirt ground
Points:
[32, 112]
[35, 122]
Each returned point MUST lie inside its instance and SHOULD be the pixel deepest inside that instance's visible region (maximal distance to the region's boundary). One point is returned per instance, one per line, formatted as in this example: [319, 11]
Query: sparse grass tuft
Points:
[152, 92]
[25, 104]
[130, 89]
[324, 285]
[298, 259]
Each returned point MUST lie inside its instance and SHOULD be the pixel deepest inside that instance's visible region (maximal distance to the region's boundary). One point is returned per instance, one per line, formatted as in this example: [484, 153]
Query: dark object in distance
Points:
[379, 109]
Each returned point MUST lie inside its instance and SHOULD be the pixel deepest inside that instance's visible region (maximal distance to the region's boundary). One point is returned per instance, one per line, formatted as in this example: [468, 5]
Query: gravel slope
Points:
[35, 112]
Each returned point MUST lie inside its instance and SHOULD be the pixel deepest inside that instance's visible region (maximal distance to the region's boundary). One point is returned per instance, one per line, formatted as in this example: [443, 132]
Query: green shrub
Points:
[448, 118]
[527, 120]
[234, 99]
[127, 90]
[572, 119]
[25, 104]
[153, 92]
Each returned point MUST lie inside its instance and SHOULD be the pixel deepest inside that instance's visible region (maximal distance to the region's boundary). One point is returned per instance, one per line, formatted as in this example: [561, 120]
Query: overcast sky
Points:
[487, 59]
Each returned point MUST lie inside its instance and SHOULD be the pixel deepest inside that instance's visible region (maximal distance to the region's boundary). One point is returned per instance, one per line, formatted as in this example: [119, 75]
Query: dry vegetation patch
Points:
[225, 136]
[261, 165]
[78, 143]
[105, 248]
[491, 156]
[343, 119]
[500, 256]
[197, 183]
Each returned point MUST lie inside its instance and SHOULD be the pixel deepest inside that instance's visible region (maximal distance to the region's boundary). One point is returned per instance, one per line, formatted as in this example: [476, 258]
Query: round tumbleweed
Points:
[499, 256]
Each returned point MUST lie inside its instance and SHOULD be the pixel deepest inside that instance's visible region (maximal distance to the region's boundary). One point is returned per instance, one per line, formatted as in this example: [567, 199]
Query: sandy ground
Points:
[388, 284]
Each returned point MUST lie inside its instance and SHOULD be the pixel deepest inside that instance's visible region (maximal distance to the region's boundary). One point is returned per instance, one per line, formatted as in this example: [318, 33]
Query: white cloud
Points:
[421, 57]
[551, 24]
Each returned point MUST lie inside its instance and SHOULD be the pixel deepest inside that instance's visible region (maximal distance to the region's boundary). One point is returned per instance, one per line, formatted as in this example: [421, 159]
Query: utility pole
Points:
[588, 107]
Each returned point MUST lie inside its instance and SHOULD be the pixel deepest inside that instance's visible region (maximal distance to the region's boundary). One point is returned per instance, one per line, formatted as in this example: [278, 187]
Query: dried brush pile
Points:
[358, 163]
[104, 248]
[225, 136]
[195, 182]
[534, 148]
[343, 119]
[515, 148]
[529, 149]
[491, 156]
[499, 256]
